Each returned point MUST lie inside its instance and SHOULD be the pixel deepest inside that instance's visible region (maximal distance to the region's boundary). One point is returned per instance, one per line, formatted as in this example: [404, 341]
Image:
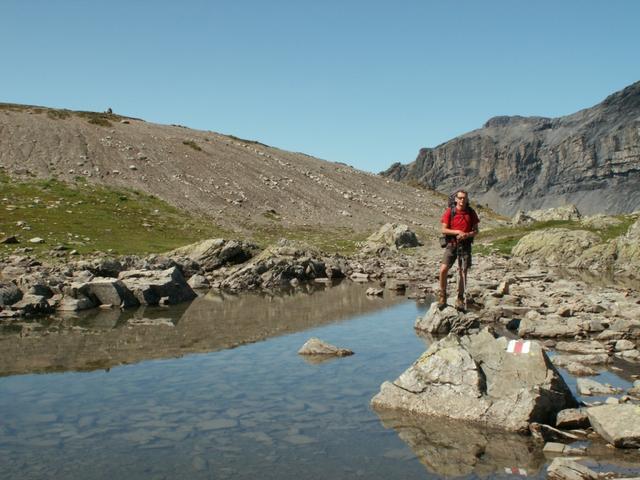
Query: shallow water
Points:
[255, 411]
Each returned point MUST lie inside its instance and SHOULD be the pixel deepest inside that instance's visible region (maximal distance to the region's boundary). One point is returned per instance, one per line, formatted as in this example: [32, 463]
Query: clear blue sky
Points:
[363, 82]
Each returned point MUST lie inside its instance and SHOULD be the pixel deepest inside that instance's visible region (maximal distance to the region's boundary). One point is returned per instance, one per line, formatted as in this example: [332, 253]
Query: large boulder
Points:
[214, 253]
[391, 236]
[109, 291]
[554, 246]
[628, 247]
[441, 322]
[150, 286]
[481, 379]
[617, 424]
[283, 264]
[567, 212]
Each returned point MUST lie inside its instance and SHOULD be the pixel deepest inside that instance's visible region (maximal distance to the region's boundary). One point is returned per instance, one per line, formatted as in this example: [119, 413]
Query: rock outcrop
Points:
[441, 322]
[285, 264]
[481, 379]
[214, 253]
[391, 236]
[590, 158]
[583, 249]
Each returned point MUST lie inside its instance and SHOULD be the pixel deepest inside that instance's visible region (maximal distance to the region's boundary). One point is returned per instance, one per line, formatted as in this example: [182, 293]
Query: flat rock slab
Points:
[567, 469]
[499, 383]
[586, 386]
[572, 418]
[617, 424]
[315, 346]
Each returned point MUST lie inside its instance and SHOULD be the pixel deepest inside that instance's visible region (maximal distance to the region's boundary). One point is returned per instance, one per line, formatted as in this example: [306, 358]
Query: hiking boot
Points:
[460, 304]
[442, 300]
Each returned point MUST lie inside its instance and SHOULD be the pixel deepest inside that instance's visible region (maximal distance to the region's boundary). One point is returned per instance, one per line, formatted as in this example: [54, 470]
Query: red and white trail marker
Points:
[515, 471]
[518, 346]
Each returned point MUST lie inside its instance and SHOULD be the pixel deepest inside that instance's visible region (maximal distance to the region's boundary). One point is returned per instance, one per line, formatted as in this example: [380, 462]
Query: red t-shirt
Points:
[465, 220]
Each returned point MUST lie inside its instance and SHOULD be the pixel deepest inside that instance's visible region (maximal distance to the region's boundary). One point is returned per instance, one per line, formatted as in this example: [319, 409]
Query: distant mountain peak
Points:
[590, 158]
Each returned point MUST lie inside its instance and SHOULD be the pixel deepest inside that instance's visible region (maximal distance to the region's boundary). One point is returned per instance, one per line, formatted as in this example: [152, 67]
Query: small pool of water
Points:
[258, 410]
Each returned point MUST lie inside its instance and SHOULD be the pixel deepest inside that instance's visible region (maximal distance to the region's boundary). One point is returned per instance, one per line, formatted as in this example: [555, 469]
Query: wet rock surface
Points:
[315, 346]
[618, 424]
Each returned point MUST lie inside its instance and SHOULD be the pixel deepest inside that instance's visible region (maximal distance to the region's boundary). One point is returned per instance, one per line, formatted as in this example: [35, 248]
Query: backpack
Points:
[452, 213]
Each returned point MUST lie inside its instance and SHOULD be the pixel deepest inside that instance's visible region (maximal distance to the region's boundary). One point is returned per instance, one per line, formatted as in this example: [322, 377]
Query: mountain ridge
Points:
[590, 158]
[239, 184]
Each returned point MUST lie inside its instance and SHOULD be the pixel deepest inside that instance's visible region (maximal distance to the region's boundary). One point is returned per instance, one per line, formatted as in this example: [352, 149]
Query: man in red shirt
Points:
[459, 231]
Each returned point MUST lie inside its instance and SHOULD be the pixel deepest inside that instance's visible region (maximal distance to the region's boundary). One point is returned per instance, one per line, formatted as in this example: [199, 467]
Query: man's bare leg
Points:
[442, 298]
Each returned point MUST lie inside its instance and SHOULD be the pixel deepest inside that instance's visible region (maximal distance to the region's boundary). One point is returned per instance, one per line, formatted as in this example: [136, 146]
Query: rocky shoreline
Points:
[590, 327]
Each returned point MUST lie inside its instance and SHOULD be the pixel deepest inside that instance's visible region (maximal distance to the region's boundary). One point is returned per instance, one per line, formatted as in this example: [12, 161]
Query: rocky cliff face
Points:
[590, 158]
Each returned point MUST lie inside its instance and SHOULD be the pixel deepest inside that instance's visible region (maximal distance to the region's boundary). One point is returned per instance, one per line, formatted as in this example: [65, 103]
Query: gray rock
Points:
[391, 236]
[571, 418]
[584, 347]
[534, 325]
[554, 246]
[591, 359]
[441, 322]
[475, 378]
[629, 355]
[109, 291]
[199, 282]
[33, 305]
[617, 424]
[623, 345]
[588, 387]
[315, 346]
[553, 447]
[74, 304]
[215, 253]
[567, 212]
[149, 287]
[9, 293]
[276, 266]
[12, 239]
[568, 469]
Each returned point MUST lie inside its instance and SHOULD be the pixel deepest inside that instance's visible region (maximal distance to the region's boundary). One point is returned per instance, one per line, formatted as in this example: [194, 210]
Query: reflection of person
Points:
[459, 226]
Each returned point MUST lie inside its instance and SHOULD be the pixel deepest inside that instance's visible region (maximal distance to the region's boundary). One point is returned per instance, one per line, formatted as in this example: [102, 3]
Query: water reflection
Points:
[454, 449]
[101, 339]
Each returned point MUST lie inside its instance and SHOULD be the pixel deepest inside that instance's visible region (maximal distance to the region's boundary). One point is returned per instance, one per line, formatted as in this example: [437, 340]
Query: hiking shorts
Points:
[451, 254]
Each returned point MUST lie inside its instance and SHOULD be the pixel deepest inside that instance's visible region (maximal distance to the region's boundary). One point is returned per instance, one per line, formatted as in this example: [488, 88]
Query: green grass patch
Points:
[244, 140]
[192, 144]
[96, 118]
[89, 218]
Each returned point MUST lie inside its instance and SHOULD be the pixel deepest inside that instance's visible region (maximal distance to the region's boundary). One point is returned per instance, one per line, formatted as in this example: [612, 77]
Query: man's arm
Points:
[449, 231]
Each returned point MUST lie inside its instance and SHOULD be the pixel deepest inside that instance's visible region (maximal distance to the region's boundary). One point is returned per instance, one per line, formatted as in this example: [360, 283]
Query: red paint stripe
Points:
[518, 347]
